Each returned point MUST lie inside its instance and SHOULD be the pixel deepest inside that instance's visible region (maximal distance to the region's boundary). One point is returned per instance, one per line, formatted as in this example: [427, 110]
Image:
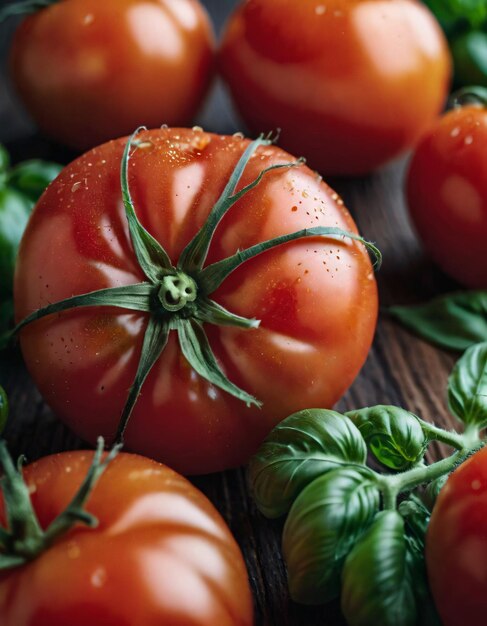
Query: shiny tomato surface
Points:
[447, 194]
[93, 70]
[351, 83]
[316, 298]
[456, 547]
[160, 556]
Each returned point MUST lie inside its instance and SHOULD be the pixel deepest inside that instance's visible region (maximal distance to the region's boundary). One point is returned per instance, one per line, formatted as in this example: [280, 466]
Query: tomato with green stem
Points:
[89, 71]
[447, 190]
[186, 374]
[351, 83]
[123, 541]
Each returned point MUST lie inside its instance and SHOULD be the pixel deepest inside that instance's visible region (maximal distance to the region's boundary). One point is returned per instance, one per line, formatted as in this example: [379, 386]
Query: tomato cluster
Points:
[210, 287]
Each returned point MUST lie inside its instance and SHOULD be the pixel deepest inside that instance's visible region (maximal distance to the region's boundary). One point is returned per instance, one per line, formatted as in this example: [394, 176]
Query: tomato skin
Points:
[89, 71]
[351, 83]
[161, 553]
[316, 298]
[447, 194]
[456, 547]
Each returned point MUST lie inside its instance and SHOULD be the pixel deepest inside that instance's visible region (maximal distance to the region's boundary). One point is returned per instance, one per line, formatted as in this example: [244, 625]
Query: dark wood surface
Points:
[400, 369]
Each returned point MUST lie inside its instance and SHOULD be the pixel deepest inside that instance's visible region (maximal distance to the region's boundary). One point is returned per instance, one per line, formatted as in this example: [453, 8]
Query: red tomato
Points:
[316, 298]
[447, 194]
[160, 555]
[92, 70]
[456, 547]
[351, 83]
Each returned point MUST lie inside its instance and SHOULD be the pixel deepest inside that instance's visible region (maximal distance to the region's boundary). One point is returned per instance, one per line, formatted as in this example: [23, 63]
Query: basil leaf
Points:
[32, 177]
[455, 321]
[394, 436]
[377, 576]
[15, 209]
[324, 523]
[467, 387]
[298, 450]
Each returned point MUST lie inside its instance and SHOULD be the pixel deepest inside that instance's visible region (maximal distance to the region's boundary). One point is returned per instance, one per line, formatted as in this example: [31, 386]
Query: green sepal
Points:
[155, 340]
[393, 435]
[211, 312]
[194, 254]
[3, 408]
[138, 297]
[24, 7]
[210, 278]
[301, 448]
[23, 539]
[453, 321]
[377, 577]
[197, 351]
[324, 523]
[469, 52]
[153, 259]
[467, 387]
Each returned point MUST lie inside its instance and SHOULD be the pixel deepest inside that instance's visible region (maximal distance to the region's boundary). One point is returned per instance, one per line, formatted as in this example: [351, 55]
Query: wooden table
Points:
[400, 369]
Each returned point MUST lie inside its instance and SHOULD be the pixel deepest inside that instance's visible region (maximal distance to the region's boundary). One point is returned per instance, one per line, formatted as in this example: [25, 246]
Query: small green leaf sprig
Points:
[355, 531]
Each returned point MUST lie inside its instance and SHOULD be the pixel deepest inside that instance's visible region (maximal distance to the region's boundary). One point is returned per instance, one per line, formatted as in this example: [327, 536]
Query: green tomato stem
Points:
[407, 481]
[450, 438]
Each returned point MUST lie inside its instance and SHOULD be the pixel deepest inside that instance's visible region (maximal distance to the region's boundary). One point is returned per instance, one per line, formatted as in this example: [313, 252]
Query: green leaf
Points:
[324, 523]
[15, 210]
[377, 578]
[3, 408]
[213, 275]
[152, 258]
[394, 436]
[455, 321]
[299, 449]
[458, 14]
[197, 351]
[467, 387]
[32, 177]
[470, 58]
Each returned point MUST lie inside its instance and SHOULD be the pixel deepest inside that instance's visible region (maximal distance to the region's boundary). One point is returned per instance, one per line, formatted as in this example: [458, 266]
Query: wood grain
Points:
[400, 369]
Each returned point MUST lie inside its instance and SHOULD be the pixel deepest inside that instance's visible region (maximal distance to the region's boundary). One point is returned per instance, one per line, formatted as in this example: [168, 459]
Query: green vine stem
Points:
[23, 539]
[392, 485]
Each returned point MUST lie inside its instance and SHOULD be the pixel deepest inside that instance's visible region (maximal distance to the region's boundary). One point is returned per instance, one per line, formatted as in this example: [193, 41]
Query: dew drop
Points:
[76, 186]
[238, 135]
[320, 9]
[455, 132]
[88, 19]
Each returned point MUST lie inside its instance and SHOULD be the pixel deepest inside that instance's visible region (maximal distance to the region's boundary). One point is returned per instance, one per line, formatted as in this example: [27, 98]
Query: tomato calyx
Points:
[178, 297]
[25, 7]
[23, 539]
[473, 95]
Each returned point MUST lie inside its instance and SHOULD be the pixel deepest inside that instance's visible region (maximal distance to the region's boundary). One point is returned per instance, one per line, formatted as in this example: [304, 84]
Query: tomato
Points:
[447, 194]
[316, 298]
[351, 83]
[89, 71]
[456, 547]
[161, 553]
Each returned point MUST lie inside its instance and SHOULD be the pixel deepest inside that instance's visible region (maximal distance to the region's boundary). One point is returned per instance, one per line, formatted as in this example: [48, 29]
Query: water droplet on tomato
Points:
[238, 135]
[88, 19]
[76, 186]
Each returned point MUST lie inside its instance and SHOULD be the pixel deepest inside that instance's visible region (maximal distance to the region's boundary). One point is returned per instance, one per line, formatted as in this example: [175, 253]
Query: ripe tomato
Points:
[161, 553]
[456, 547]
[447, 194]
[351, 83]
[316, 298]
[89, 71]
